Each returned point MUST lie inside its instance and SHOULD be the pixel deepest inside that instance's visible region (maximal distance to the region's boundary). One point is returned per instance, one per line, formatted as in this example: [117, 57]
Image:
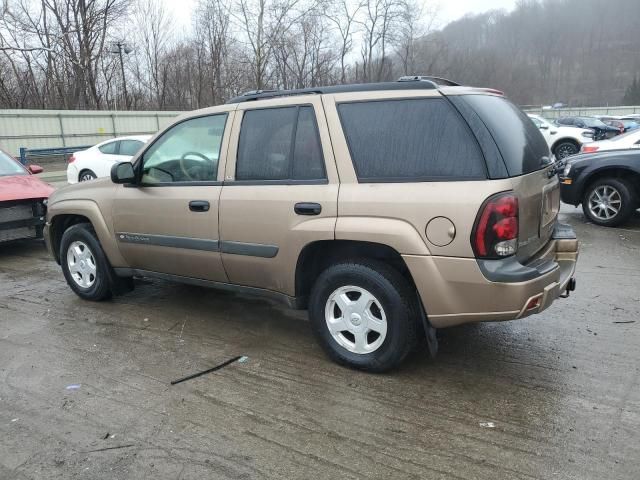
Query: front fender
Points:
[90, 210]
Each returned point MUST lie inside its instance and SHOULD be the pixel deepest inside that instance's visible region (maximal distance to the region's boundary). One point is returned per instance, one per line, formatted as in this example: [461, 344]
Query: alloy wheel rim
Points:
[86, 177]
[566, 150]
[605, 202]
[356, 320]
[82, 264]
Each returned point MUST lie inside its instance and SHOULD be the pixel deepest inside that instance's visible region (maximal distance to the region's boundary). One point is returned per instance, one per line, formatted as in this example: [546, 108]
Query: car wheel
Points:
[86, 175]
[364, 314]
[609, 202]
[84, 263]
[565, 149]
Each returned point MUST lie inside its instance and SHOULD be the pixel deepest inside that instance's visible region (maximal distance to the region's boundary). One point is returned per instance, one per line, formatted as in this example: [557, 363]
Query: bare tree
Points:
[343, 18]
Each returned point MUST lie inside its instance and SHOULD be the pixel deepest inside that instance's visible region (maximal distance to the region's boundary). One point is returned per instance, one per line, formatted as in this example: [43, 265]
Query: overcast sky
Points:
[449, 9]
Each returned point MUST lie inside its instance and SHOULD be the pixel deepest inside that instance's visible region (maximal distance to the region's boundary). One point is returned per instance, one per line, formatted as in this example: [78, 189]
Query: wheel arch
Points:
[565, 139]
[316, 256]
[617, 172]
[66, 213]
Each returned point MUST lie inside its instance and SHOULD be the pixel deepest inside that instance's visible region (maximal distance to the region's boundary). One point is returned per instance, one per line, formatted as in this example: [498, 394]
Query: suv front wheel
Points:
[364, 314]
[84, 264]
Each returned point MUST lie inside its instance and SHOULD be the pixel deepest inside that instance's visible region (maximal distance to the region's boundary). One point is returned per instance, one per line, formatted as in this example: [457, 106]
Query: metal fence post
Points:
[113, 125]
[64, 142]
[157, 123]
[23, 155]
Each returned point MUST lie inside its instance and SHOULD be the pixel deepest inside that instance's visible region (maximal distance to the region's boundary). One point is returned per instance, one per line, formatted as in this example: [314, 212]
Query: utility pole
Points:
[118, 48]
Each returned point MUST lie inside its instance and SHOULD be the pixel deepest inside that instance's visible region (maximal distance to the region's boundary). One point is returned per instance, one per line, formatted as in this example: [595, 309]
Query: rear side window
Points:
[130, 147]
[521, 144]
[280, 144]
[110, 148]
[410, 140]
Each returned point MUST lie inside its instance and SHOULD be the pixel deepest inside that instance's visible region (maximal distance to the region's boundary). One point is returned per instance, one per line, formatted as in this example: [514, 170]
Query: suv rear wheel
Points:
[84, 263]
[609, 202]
[364, 314]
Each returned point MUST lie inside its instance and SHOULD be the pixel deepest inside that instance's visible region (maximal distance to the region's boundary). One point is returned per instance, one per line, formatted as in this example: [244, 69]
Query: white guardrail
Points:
[581, 111]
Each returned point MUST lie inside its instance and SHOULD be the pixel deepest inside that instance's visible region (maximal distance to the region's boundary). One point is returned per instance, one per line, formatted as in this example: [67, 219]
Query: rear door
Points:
[280, 191]
[529, 165]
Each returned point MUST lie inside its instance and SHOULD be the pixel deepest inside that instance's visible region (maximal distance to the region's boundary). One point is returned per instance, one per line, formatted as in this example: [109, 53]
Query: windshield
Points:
[8, 166]
[593, 122]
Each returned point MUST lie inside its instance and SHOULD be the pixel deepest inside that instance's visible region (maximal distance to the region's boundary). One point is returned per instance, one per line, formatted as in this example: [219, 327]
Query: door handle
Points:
[306, 208]
[199, 206]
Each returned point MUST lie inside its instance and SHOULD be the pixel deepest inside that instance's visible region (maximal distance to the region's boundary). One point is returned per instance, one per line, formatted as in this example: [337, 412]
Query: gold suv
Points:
[386, 210]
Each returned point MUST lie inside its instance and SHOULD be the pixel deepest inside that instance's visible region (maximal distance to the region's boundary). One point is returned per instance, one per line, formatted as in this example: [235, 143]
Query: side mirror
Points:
[123, 173]
[35, 169]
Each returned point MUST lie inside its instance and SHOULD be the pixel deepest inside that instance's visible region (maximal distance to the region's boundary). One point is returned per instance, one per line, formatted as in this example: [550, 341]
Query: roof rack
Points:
[418, 82]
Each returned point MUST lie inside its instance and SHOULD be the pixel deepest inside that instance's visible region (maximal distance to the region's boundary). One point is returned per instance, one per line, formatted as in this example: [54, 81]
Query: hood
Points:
[84, 190]
[602, 156]
[23, 187]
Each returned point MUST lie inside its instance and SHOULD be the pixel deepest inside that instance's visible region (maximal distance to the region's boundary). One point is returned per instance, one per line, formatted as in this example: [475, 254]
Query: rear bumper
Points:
[455, 291]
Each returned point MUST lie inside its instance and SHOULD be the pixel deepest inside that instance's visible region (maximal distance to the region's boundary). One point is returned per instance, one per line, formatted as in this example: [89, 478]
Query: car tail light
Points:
[495, 233]
[71, 159]
[590, 148]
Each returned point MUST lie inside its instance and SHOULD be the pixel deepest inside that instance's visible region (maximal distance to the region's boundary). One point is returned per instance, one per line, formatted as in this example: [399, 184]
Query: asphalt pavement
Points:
[85, 387]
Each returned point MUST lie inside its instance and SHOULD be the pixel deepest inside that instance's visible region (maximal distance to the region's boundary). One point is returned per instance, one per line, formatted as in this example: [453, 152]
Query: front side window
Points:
[280, 144]
[110, 148]
[410, 140]
[130, 147]
[188, 152]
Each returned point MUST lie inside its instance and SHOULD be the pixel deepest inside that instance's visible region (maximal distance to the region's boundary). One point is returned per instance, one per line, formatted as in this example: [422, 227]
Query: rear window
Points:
[521, 144]
[410, 140]
[109, 148]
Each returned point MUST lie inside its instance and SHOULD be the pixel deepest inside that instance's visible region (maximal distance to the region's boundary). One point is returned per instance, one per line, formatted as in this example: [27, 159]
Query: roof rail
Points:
[429, 78]
[405, 83]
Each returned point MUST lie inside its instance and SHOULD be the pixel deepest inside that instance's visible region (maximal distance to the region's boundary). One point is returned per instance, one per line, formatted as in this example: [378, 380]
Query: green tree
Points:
[632, 95]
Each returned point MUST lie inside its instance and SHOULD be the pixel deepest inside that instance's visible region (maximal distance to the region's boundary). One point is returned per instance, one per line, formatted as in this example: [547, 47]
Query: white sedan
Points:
[562, 141]
[96, 161]
[621, 142]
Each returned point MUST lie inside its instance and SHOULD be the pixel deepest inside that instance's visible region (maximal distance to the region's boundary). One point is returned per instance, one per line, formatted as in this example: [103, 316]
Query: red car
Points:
[22, 200]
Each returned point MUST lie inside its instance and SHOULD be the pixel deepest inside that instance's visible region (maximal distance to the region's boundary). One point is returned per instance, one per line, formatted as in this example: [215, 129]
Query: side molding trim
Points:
[234, 248]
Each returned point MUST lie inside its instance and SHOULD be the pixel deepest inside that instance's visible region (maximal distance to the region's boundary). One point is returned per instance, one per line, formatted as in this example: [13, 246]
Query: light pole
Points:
[118, 48]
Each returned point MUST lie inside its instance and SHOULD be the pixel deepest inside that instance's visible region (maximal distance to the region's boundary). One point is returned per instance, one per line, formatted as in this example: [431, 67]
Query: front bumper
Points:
[21, 220]
[455, 291]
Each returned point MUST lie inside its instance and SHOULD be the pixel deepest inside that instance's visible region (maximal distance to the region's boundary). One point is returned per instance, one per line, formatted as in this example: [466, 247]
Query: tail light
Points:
[495, 233]
[590, 148]
[71, 159]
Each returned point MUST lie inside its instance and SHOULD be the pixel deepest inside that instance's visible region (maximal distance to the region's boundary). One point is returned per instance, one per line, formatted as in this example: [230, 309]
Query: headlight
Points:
[567, 169]
[588, 134]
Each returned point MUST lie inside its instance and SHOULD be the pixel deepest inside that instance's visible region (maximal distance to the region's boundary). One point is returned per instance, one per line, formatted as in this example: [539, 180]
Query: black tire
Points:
[625, 194]
[397, 298]
[86, 175]
[100, 289]
[565, 148]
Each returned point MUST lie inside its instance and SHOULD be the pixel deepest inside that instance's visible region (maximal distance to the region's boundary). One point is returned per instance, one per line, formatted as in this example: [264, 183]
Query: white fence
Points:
[582, 112]
[70, 128]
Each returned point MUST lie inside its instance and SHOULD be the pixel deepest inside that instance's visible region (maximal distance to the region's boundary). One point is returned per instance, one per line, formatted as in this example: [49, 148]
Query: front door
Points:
[280, 191]
[168, 222]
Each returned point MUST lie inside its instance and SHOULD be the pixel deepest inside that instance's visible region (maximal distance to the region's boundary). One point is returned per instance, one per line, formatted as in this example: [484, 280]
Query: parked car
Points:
[386, 210]
[97, 161]
[562, 141]
[22, 200]
[607, 184]
[601, 130]
[621, 142]
[622, 125]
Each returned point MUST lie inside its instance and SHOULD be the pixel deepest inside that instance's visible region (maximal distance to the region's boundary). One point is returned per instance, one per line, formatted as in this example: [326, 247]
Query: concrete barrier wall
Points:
[68, 128]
